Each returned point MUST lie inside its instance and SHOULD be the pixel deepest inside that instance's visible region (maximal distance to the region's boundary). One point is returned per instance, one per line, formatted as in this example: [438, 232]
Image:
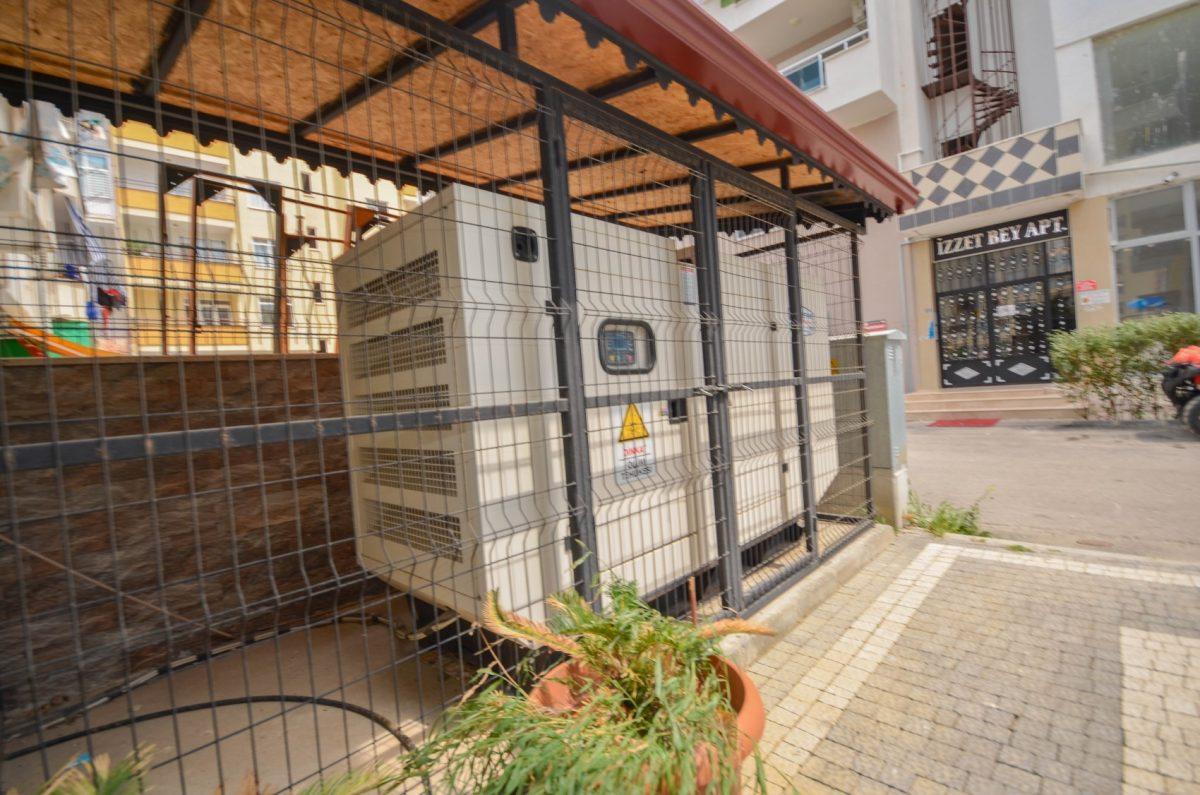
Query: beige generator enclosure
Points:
[447, 309]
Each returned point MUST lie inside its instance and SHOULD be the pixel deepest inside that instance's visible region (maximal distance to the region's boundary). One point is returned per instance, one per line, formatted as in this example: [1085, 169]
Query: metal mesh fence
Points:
[278, 410]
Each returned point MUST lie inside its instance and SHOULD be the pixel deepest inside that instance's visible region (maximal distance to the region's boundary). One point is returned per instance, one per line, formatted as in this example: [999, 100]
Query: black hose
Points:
[370, 715]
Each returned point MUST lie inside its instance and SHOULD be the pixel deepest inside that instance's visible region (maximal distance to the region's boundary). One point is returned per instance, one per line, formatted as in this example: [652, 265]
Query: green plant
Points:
[945, 517]
[649, 701]
[1018, 548]
[1113, 371]
[84, 775]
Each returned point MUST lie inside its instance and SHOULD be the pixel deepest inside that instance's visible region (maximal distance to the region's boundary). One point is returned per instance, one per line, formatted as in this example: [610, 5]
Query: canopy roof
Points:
[430, 89]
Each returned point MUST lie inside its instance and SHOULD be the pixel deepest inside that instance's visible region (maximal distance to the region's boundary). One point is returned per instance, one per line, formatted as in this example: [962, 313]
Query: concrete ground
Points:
[961, 665]
[214, 750]
[1128, 489]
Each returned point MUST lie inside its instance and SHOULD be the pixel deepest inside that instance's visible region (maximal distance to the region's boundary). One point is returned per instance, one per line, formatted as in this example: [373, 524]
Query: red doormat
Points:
[975, 422]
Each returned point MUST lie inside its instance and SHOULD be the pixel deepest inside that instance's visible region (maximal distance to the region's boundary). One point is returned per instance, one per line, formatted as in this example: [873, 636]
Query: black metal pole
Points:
[164, 317]
[800, 371]
[856, 280]
[712, 341]
[577, 467]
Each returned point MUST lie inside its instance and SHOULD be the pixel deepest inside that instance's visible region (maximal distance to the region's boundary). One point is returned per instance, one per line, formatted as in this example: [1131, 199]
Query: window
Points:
[96, 184]
[264, 252]
[306, 183]
[318, 295]
[1146, 214]
[626, 347]
[1157, 251]
[266, 312]
[1148, 77]
[809, 75]
[212, 250]
[210, 311]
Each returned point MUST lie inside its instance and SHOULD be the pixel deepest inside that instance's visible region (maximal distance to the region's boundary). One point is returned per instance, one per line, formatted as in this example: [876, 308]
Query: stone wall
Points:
[206, 547]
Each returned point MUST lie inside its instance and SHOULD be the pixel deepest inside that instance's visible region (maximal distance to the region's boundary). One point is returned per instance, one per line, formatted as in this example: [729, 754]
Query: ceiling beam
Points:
[717, 130]
[413, 57]
[605, 91]
[181, 24]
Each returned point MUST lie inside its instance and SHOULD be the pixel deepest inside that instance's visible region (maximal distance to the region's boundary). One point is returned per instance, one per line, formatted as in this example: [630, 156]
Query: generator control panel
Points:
[626, 347]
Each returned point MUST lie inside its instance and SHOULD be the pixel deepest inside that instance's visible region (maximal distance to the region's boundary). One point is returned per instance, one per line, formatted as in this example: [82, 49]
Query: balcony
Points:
[849, 77]
[146, 200]
[222, 274]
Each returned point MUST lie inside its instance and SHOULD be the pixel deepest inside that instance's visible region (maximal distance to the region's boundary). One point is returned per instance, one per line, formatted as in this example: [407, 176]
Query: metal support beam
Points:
[163, 314]
[795, 292]
[280, 290]
[568, 351]
[514, 124]
[620, 153]
[182, 24]
[193, 291]
[856, 280]
[720, 436]
[506, 21]
[405, 63]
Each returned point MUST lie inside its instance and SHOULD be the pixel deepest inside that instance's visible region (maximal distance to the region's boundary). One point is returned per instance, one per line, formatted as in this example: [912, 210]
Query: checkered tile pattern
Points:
[1016, 169]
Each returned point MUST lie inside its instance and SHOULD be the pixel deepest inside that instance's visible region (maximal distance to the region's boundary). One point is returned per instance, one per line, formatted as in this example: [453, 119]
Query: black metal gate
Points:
[996, 311]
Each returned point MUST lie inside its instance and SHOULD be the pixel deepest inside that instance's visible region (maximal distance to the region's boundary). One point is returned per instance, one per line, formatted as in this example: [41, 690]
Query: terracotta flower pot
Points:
[556, 691]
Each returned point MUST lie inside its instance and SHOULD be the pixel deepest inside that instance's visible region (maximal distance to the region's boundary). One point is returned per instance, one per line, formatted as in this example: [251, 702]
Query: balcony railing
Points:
[809, 74]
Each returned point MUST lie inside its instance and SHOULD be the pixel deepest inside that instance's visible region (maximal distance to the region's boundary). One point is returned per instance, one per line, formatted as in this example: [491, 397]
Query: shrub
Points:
[1114, 371]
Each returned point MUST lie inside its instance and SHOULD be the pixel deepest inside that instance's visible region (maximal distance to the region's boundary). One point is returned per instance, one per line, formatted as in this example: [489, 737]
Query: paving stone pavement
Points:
[950, 665]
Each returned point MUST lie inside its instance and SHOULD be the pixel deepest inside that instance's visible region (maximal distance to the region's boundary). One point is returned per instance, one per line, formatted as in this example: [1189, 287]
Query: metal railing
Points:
[809, 73]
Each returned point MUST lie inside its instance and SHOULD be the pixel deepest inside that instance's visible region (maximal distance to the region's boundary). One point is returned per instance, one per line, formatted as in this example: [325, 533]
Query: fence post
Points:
[856, 282]
[883, 364]
[712, 341]
[577, 467]
[800, 372]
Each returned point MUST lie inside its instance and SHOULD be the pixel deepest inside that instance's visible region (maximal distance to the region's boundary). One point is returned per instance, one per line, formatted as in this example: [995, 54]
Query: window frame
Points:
[1190, 232]
[267, 261]
[1101, 73]
[267, 323]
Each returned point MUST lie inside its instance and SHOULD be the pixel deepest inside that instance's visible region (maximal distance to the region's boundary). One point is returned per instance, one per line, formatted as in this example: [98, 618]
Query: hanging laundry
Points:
[53, 165]
[15, 163]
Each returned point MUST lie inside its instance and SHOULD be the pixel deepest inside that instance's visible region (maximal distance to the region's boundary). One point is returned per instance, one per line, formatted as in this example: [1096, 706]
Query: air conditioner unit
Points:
[447, 308]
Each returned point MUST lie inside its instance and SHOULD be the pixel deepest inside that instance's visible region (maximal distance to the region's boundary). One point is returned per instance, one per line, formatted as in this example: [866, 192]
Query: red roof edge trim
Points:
[684, 37]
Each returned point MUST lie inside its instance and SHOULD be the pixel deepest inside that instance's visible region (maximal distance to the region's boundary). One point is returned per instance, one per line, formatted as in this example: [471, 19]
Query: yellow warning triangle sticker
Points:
[633, 427]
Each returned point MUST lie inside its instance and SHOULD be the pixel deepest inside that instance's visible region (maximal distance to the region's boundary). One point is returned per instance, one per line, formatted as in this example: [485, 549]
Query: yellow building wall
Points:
[136, 131]
[136, 199]
[924, 349]
[1092, 258]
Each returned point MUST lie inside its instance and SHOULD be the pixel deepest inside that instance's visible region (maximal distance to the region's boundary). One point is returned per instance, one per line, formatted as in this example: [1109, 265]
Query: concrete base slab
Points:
[791, 607]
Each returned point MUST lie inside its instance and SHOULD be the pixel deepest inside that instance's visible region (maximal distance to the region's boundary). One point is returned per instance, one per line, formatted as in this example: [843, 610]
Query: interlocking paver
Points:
[952, 666]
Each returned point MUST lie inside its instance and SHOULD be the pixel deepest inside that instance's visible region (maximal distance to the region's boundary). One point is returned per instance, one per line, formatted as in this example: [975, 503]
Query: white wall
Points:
[1037, 70]
[879, 253]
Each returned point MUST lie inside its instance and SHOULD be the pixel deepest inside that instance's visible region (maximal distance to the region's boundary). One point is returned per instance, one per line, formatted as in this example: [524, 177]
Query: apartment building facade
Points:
[1056, 148]
[174, 246]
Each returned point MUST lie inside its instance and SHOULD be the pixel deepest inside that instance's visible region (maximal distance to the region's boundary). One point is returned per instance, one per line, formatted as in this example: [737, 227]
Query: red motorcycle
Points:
[1181, 382]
